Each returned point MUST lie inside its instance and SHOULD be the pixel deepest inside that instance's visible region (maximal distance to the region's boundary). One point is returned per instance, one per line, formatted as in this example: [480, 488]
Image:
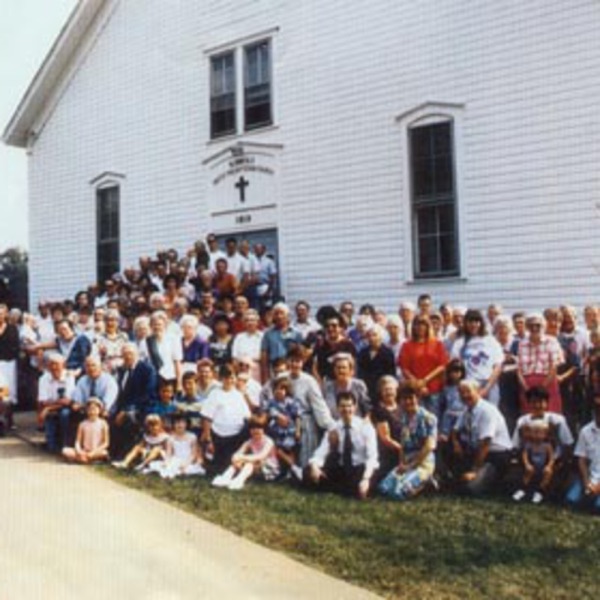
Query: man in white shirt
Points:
[55, 392]
[267, 276]
[586, 488]
[237, 265]
[481, 443]
[214, 252]
[348, 455]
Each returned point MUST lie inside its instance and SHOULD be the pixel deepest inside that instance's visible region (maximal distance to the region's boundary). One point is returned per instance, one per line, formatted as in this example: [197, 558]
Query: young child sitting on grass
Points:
[92, 440]
[183, 456]
[152, 447]
[538, 462]
[257, 456]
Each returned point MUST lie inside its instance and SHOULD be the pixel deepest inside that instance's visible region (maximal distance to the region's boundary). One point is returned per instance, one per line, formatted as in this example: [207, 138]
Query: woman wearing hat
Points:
[537, 362]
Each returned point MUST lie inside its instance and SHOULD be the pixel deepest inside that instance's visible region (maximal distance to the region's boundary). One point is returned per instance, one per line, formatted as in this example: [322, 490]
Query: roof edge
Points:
[19, 129]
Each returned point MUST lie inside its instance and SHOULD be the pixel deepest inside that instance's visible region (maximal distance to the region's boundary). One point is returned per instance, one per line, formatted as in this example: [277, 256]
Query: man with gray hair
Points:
[481, 443]
[278, 340]
[138, 383]
[56, 389]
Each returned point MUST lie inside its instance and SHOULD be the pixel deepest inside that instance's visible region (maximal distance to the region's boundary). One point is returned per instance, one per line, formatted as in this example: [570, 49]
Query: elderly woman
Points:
[539, 357]
[163, 350]
[423, 359]
[141, 330]
[481, 355]
[416, 459]
[110, 343]
[344, 381]
[193, 347]
[386, 417]
[395, 331]
[248, 342]
[375, 361]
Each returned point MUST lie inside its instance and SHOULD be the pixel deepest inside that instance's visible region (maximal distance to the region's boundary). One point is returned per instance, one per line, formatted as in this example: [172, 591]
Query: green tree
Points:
[14, 285]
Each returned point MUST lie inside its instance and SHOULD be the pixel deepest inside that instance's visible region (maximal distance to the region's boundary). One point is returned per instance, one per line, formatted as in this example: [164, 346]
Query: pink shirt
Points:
[93, 434]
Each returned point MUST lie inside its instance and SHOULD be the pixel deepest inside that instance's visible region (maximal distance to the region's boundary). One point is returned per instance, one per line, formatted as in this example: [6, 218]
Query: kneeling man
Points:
[347, 457]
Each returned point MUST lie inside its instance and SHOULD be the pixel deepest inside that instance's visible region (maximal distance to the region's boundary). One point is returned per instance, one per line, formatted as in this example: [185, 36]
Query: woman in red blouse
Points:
[422, 360]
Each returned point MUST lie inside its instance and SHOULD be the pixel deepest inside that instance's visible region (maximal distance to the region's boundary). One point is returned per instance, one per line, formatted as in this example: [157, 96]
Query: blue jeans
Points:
[52, 432]
[577, 497]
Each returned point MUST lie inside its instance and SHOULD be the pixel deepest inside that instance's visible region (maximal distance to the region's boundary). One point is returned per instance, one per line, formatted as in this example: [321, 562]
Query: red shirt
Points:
[420, 358]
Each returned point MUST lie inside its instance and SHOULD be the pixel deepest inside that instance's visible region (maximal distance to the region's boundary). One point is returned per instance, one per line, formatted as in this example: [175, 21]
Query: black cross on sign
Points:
[241, 185]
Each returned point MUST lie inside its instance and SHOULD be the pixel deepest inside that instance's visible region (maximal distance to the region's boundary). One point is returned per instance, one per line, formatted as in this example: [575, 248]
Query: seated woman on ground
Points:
[92, 441]
[152, 447]
[418, 438]
[257, 456]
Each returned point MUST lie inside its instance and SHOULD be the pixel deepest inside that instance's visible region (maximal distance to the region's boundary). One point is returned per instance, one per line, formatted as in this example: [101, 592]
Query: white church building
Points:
[382, 149]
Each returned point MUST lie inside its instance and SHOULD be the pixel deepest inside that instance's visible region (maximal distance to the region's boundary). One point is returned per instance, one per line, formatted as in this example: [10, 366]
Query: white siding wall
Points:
[528, 74]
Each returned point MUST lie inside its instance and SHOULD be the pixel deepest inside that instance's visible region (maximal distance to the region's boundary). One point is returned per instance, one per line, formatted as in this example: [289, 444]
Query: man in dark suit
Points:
[137, 398]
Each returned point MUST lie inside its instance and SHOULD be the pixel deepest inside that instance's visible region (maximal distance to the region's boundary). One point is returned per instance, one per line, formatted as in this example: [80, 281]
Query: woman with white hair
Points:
[163, 350]
[193, 347]
[396, 337]
[539, 357]
[375, 361]
[109, 343]
[344, 381]
[508, 384]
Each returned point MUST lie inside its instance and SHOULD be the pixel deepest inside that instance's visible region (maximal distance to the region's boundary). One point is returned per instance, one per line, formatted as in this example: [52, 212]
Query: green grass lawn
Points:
[433, 547]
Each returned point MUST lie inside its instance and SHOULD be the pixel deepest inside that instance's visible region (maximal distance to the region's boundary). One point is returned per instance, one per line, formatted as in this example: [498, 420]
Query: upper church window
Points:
[241, 97]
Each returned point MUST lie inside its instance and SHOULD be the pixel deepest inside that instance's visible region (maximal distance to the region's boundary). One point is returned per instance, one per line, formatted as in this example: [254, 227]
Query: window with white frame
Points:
[434, 211]
[241, 97]
[108, 232]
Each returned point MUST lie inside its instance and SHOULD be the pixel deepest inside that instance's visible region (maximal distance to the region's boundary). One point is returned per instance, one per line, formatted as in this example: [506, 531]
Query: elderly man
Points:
[347, 457]
[481, 443]
[94, 384]
[278, 340]
[138, 384]
[56, 390]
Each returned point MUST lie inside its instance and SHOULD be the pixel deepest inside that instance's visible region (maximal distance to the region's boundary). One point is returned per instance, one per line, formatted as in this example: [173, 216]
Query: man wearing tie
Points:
[137, 381]
[347, 457]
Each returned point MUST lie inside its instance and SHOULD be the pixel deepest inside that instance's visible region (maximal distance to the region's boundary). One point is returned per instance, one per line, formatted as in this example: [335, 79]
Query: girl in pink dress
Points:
[257, 456]
[91, 443]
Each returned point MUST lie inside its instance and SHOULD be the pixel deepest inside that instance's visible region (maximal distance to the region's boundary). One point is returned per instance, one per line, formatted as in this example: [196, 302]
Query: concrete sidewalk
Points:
[71, 533]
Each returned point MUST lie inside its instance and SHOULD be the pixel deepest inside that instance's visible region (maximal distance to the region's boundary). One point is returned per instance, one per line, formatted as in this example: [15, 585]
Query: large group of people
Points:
[192, 366]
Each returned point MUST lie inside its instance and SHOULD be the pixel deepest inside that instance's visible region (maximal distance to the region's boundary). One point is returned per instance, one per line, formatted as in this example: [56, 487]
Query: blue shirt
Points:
[277, 342]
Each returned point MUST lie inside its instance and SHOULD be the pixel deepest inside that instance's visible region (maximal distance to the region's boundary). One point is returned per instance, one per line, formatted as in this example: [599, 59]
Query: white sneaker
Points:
[518, 495]
[537, 498]
[220, 481]
[118, 464]
[296, 472]
[236, 484]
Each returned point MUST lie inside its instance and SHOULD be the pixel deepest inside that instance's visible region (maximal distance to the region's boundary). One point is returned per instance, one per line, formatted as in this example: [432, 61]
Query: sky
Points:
[28, 29]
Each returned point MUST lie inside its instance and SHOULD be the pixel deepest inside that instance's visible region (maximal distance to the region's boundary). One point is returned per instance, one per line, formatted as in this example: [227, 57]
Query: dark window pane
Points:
[444, 183]
[433, 200]
[426, 221]
[257, 86]
[422, 178]
[448, 253]
[222, 95]
[108, 258]
[447, 220]
[428, 255]
[441, 136]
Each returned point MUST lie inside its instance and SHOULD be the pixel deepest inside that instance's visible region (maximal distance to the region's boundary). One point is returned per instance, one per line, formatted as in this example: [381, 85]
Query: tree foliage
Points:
[14, 287]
